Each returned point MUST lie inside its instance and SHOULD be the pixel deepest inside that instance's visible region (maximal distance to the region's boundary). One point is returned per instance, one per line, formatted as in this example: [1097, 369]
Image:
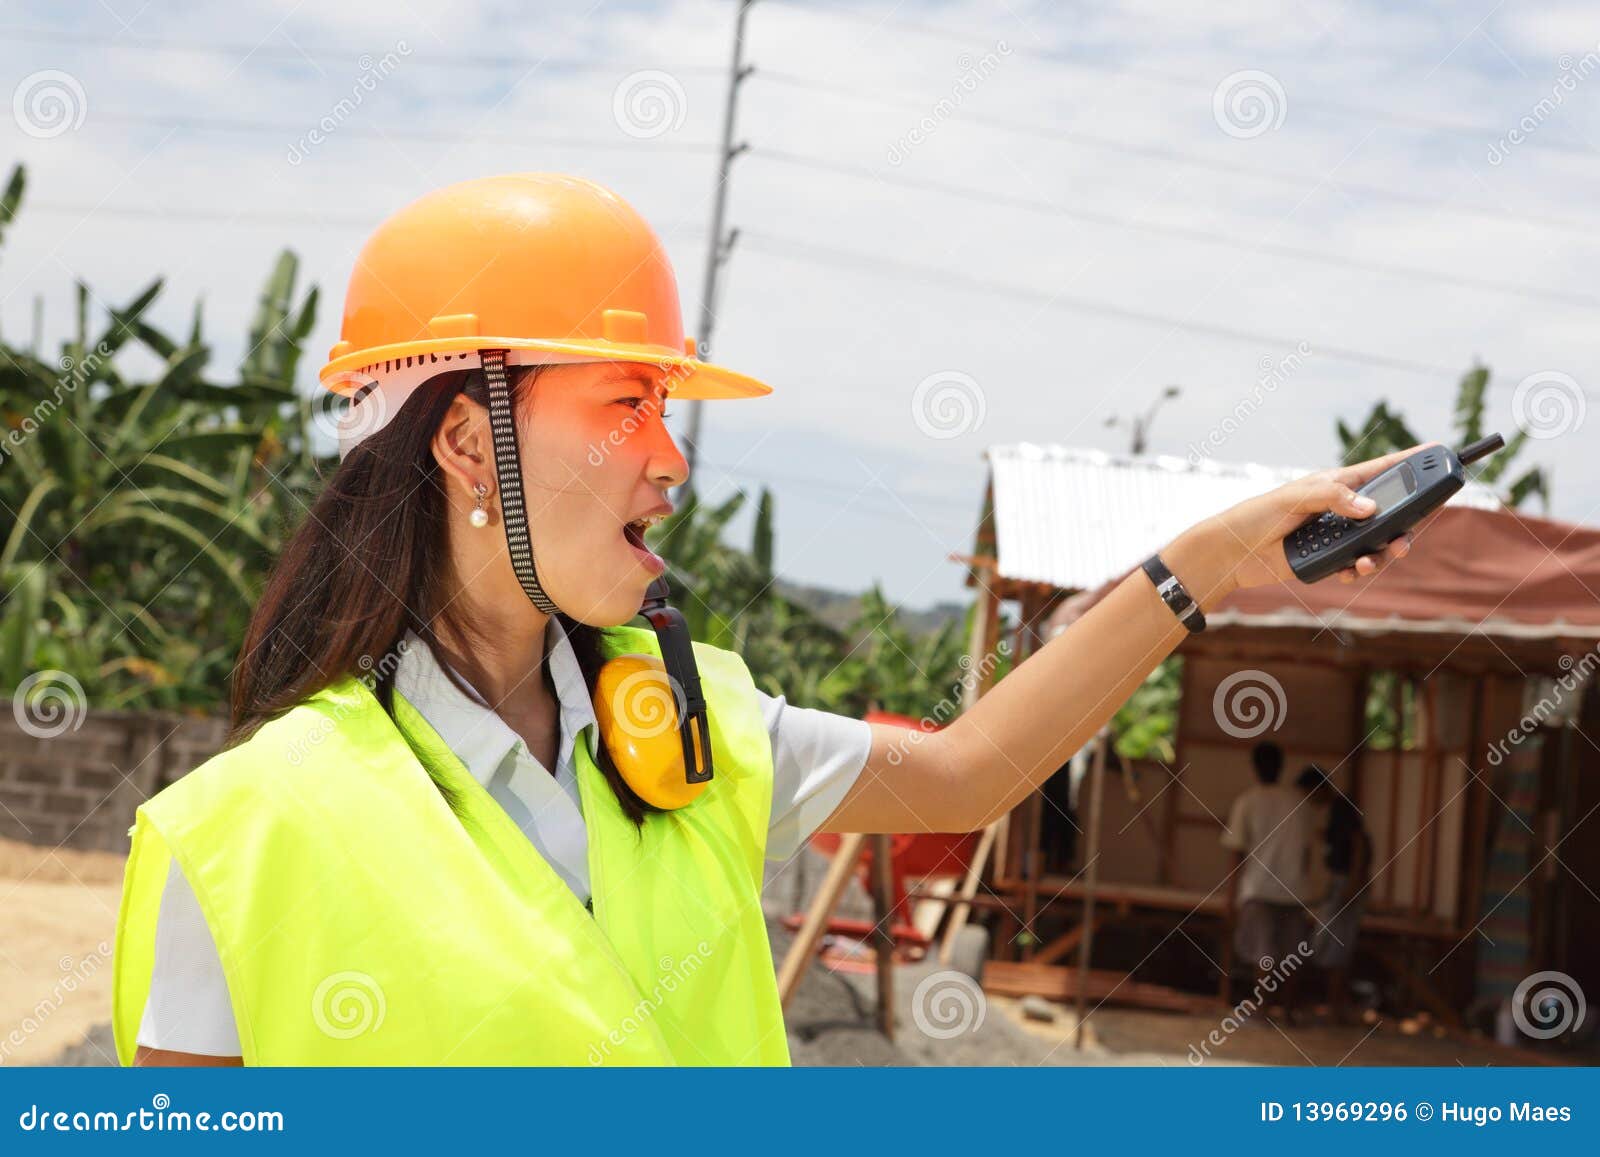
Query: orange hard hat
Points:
[549, 268]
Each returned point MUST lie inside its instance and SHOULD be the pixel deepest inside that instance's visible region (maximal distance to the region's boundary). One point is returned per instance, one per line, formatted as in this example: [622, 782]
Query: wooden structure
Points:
[1489, 601]
[1491, 617]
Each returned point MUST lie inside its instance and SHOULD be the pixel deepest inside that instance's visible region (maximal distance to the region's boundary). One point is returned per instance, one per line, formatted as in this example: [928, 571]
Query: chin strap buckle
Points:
[677, 655]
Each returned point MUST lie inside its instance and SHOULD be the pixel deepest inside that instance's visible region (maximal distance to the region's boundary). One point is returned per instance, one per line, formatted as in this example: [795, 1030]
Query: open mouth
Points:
[634, 532]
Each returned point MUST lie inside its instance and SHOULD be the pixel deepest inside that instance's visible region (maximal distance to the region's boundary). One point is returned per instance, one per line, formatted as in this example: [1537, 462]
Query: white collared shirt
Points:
[816, 757]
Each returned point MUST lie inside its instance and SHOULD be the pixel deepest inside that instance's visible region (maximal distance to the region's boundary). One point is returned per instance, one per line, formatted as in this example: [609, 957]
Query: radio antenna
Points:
[1482, 448]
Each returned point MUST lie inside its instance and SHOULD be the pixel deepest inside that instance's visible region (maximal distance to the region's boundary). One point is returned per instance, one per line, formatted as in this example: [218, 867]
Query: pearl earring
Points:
[479, 516]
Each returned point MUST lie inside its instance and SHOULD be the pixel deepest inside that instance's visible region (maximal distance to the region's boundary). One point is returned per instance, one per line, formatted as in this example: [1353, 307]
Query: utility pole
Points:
[719, 246]
[1141, 422]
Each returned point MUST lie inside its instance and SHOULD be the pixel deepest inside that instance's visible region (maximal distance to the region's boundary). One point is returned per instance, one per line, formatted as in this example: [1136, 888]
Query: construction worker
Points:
[441, 832]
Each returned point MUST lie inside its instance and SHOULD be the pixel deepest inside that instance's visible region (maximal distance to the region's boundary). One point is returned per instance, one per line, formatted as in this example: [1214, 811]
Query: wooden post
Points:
[1470, 899]
[969, 889]
[883, 929]
[1398, 706]
[1166, 852]
[1092, 879]
[1031, 870]
[1432, 791]
[816, 922]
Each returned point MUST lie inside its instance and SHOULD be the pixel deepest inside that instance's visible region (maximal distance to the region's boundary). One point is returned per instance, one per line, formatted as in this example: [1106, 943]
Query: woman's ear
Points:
[463, 445]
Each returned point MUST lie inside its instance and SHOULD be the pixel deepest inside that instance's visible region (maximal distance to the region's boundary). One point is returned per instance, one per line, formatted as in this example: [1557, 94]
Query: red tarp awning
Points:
[1498, 574]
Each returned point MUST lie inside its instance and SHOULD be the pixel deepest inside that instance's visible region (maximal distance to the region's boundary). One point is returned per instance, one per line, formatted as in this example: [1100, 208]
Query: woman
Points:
[416, 848]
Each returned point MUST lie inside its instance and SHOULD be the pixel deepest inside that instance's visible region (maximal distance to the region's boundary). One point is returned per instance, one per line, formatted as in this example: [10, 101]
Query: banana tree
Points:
[146, 511]
[1385, 430]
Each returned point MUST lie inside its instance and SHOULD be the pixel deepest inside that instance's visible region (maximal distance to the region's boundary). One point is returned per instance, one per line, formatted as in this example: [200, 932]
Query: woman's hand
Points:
[1243, 546]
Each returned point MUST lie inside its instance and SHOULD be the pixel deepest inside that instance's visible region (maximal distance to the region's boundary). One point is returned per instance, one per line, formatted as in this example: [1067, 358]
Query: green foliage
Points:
[729, 598]
[137, 518]
[1144, 726]
[1385, 430]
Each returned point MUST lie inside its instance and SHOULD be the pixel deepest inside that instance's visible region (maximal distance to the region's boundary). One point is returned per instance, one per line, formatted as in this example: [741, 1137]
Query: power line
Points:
[809, 489]
[1060, 57]
[220, 216]
[933, 275]
[341, 57]
[1176, 156]
[780, 156]
[826, 255]
[1182, 232]
[294, 130]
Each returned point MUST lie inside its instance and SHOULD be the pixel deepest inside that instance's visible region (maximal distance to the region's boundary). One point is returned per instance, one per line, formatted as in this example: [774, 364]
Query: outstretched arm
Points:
[1032, 721]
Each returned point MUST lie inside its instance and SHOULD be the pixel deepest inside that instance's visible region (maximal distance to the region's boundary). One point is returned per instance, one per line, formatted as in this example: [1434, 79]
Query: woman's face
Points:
[597, 462]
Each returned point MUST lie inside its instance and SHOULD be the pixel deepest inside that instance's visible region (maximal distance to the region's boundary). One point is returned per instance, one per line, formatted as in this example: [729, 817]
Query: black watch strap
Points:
[1174, 594]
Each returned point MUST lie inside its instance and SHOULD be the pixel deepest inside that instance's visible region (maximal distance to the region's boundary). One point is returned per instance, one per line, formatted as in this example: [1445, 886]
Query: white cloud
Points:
[845, 338]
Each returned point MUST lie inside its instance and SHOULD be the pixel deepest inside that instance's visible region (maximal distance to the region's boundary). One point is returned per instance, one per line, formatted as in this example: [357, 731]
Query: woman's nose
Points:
[667, 467]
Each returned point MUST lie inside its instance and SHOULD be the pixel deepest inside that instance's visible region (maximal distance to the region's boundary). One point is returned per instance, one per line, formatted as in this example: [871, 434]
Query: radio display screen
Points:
[1389, 490]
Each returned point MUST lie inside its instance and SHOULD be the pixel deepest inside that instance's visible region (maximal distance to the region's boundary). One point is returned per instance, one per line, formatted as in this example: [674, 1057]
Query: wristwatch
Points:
[1175, 594]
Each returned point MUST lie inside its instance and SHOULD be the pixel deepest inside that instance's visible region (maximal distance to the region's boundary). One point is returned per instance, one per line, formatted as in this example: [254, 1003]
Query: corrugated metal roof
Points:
[1074, 517]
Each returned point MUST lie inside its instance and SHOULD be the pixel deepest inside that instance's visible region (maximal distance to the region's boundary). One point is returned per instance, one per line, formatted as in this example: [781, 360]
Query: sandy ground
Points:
[58, 911]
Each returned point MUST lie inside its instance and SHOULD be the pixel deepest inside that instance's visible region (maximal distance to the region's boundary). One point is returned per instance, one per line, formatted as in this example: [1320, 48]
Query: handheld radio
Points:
[1405, 493]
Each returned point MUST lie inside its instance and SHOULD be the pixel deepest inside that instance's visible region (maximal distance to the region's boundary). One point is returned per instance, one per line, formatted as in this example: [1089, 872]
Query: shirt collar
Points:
[467, 724]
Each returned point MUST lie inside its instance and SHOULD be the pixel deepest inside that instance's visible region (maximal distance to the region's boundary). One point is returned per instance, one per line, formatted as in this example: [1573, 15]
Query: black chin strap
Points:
[672, 633]
[508, 467]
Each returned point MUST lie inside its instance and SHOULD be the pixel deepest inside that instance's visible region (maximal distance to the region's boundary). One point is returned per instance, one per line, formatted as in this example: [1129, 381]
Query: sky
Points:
[960, 224]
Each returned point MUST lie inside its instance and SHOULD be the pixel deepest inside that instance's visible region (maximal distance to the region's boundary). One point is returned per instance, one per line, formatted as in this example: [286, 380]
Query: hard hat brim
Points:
[689, 378]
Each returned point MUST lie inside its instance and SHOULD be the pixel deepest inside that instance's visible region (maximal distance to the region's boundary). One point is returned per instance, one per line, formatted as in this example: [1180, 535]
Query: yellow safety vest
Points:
[360, 921]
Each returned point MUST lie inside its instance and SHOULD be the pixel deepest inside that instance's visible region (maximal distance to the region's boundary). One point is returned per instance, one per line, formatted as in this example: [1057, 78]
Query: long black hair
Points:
[366, 565]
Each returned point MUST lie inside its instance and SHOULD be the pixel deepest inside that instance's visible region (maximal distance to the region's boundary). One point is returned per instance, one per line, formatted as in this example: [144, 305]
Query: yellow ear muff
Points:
[638, 707]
